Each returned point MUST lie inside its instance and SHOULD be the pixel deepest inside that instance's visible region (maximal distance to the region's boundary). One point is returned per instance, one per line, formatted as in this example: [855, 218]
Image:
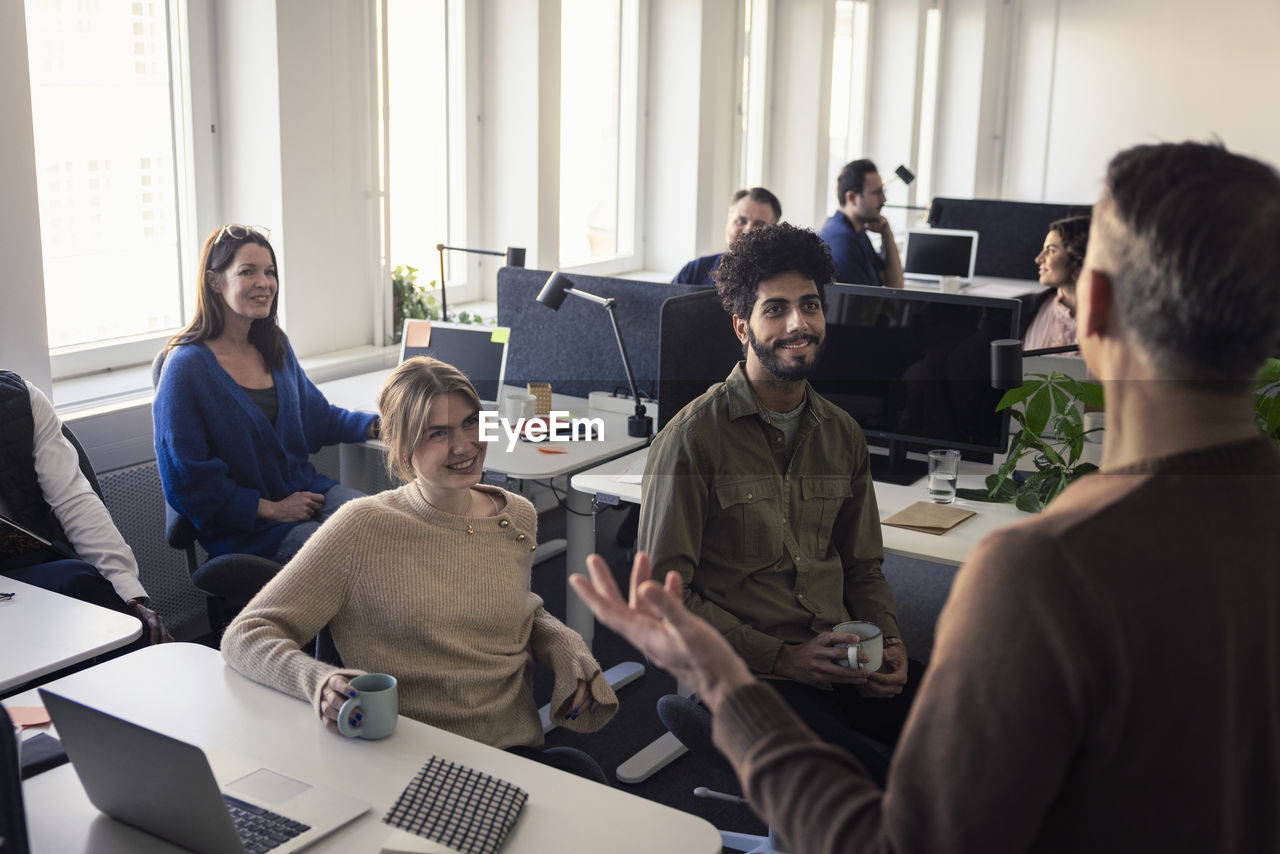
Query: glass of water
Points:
[944, 468]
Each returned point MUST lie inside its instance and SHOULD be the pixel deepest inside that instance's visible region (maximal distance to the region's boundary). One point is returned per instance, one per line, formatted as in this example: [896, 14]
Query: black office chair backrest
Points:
[86, 467]
[13, 818]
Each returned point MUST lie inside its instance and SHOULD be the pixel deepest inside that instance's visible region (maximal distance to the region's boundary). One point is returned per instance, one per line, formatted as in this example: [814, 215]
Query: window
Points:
[599, 105]
[755, 64]
[110, 163]
[417, 133]
[928, 106]
[848, 86]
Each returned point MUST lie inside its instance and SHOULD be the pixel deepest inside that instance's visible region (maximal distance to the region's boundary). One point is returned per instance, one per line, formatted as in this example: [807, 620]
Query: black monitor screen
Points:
[916, 366]
[480, 352]
[933, 254]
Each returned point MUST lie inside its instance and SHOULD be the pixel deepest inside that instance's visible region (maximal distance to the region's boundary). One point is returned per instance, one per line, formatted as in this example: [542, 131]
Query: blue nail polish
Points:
[351, 693]
[575, 711]
[566, 717]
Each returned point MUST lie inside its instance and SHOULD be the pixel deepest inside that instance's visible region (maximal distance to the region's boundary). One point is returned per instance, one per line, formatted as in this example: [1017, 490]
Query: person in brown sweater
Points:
[430, 583]
[1105, 676]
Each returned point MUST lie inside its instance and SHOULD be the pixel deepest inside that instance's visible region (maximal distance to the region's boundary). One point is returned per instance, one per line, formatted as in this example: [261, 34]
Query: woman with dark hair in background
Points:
[236, 419]
[1052, 315]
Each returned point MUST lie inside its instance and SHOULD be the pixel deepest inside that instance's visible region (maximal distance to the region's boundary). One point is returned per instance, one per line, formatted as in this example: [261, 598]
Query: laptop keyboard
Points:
[260, 829]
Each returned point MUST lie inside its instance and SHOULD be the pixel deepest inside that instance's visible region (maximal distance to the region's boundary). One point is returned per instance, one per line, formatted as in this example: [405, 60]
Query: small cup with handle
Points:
[377, 700]
[870, 643]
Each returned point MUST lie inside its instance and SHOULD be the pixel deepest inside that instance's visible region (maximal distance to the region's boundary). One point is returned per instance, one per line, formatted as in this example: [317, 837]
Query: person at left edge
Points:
[236, 419]
[43, 489]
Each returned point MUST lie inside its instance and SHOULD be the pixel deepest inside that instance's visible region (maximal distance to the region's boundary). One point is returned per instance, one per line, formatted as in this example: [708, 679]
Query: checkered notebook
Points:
[458, 807]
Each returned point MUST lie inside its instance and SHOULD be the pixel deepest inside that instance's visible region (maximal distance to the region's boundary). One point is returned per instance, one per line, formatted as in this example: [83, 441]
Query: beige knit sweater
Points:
[441, 602]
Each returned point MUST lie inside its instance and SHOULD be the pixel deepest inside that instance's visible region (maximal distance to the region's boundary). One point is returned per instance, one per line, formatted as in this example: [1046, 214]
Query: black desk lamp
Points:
[1006, 360]
[514, 256]
[553, 294]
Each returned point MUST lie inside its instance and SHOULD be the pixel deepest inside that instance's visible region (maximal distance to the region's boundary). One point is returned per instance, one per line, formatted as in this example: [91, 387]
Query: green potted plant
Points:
[1266, 400]
[412, 300]
[1052, 436]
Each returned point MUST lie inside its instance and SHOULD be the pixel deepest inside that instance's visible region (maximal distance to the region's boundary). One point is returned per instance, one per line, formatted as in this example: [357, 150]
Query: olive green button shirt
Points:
[772, 550]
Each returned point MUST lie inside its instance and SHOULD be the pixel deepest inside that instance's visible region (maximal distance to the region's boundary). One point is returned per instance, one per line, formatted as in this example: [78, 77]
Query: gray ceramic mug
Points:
[377, 700]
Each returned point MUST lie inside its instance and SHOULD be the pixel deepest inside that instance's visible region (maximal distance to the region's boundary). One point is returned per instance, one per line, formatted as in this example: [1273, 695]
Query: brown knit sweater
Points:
[1106, 677]
[441, 602]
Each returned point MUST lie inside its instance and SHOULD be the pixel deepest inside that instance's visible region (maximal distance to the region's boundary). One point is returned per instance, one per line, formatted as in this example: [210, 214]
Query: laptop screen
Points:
[936, 252]
[480, 352]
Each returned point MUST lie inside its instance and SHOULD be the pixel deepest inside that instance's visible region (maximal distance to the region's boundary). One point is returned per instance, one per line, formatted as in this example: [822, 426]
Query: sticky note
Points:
[417, 333]
[501, 334]
[25, 716]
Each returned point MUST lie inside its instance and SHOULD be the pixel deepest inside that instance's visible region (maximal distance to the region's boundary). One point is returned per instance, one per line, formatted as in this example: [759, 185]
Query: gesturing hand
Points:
[656, 622]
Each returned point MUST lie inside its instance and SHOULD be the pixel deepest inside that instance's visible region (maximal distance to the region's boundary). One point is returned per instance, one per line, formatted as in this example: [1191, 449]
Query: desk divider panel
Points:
[1010, 234]
[574, 348]
[697, 348]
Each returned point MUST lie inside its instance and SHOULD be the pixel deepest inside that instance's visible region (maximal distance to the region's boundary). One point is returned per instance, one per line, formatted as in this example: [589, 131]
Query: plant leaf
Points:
[1028, 500]
[1082, 470]
[1039, 406]
[1017, 395]
[1091, 396]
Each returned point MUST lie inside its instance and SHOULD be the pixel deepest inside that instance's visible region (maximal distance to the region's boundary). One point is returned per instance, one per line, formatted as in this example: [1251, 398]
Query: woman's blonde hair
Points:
[405, 400]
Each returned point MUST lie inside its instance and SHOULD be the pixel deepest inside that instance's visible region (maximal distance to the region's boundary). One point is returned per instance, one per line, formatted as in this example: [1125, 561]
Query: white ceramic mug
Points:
[870, 643]
[517, 405]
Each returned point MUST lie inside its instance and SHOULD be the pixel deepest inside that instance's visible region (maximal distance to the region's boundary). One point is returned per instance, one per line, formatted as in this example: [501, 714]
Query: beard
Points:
[771, 361]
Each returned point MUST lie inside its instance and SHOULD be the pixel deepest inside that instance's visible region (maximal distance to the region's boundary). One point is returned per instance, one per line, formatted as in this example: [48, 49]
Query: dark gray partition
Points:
[574, 348]
[697, 348]
[1010, 234]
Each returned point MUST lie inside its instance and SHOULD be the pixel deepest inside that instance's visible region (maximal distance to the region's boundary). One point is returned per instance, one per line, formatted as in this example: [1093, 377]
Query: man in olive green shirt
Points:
[759, 495]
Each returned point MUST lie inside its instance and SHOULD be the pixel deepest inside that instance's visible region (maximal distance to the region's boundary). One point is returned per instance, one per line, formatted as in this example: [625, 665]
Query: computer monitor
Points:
[480, 352]
[914, 368]
[933, 253]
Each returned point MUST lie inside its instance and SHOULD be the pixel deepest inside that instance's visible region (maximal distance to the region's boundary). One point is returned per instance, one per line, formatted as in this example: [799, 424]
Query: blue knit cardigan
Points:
[218, 454]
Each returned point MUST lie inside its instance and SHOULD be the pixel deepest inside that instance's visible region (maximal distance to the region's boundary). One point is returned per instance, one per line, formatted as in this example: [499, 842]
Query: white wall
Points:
[327, 173]
[801, 80]
[24, 340]
[1092, 77]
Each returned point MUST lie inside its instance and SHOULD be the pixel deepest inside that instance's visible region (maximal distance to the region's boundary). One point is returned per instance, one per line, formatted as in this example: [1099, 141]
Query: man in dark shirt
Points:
[749, 210]
[860, 196]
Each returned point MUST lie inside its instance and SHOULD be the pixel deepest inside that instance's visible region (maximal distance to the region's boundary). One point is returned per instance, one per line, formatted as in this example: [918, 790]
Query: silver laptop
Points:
[480, 352]
[167, 787]
[934, 253]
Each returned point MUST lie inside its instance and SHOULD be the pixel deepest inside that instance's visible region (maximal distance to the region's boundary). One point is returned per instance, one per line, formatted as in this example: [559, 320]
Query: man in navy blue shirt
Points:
[749, 209]
[860, 194]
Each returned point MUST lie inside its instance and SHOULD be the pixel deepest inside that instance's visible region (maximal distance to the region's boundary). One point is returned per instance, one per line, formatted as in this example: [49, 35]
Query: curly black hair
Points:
[767, 252]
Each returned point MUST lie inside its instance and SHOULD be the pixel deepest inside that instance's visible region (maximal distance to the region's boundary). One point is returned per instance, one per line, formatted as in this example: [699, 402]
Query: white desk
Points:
[188, 692]
[601, 484]
[41, 632]
[523, 462]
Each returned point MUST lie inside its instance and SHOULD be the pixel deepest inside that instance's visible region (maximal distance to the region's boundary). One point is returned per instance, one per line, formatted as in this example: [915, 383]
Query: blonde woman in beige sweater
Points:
[430, 583]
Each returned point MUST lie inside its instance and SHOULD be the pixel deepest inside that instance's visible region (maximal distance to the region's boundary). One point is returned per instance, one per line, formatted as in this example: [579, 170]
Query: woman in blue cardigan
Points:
[236, 419]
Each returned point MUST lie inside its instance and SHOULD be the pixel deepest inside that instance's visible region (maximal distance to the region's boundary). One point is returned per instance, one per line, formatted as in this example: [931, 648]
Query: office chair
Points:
[690, 722]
